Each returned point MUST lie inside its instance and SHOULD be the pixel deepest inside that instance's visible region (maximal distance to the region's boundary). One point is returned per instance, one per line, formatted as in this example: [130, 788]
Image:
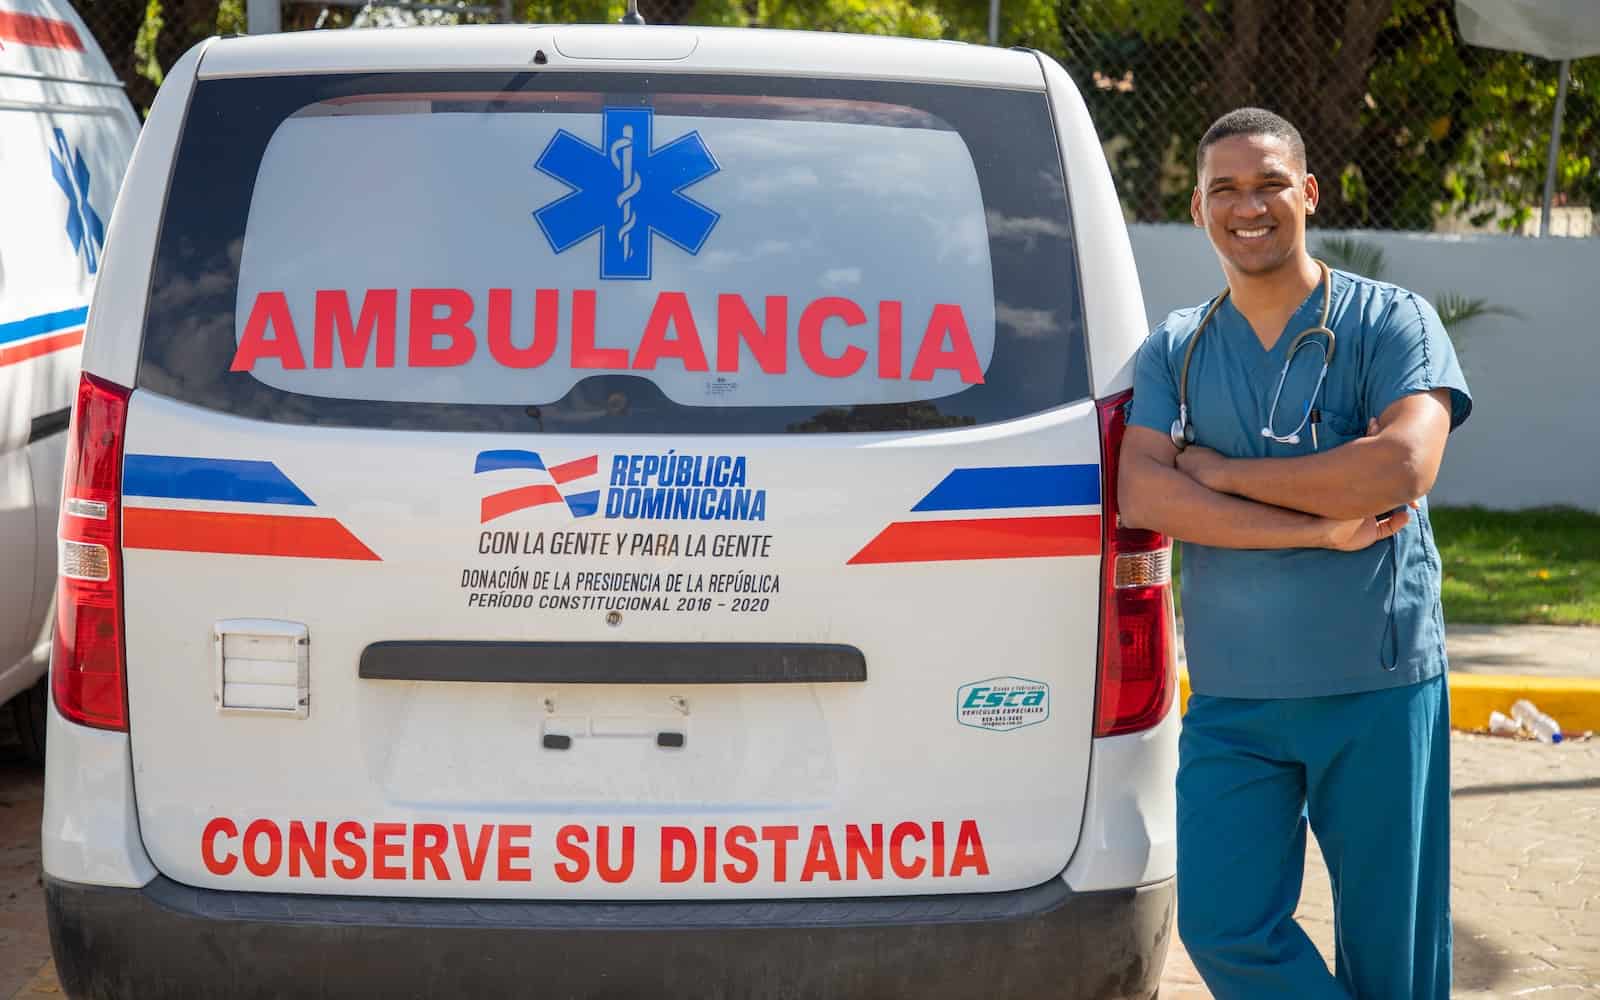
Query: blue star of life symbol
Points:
[84, 229]
[626, 190]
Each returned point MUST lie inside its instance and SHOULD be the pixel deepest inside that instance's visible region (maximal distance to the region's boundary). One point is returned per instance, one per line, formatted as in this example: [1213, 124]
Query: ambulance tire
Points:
[28, 711]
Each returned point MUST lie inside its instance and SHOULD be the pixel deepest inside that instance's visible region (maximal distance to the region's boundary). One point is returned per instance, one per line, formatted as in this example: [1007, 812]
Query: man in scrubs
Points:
[1310, 592]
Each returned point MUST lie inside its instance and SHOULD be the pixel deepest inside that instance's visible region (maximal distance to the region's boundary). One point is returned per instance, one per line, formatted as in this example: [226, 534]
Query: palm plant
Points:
[1360, 257]
[1455, 309]
[1353, 255]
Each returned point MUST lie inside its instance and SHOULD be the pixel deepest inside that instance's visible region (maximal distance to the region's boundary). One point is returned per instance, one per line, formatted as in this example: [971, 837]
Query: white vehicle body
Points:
[446, 571]
[66, 134]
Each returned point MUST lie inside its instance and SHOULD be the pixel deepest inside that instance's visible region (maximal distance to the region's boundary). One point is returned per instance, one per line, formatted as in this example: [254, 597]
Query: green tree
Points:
[1159, 71]
[1455, 128]
[1402, 120]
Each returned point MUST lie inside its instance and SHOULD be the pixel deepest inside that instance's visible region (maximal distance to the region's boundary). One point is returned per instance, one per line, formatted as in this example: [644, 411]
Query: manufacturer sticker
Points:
[1002, 704]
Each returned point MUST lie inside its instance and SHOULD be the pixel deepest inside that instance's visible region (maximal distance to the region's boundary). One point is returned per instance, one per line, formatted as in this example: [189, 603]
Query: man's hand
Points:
[1204, 466]
[1363, 532]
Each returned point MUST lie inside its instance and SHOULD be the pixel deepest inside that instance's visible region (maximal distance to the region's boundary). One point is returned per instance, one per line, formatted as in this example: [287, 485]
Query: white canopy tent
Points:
[1560, 30]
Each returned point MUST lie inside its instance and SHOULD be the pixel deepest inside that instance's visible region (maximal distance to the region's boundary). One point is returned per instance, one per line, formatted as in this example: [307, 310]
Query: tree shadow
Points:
[1478, 964]
[1576, 784]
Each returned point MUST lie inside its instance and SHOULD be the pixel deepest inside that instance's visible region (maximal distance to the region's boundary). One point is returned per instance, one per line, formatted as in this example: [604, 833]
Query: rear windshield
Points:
[615, 253]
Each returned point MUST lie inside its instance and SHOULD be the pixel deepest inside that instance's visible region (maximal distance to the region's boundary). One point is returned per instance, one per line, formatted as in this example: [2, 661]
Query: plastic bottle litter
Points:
[1501, 724]
[1536, 722]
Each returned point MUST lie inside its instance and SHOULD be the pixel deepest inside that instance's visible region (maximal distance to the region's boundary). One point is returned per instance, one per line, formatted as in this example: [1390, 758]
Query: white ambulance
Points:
[66, 133]
[610, 511]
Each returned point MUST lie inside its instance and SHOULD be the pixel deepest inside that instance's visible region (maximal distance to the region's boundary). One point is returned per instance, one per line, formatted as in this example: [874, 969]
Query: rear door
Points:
[599, 487]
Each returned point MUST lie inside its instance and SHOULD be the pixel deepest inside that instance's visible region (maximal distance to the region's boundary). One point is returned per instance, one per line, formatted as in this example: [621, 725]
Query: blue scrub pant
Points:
[1371, 771]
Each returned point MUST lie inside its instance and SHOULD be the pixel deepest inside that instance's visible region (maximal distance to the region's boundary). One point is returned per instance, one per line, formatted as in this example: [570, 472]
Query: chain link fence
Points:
[1406, 126]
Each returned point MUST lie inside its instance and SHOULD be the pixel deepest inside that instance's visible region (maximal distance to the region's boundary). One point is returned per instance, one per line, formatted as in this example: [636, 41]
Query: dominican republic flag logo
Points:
[571, 483]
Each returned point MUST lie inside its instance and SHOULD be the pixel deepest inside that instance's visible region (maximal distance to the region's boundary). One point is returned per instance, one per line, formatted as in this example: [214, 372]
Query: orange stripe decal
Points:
[39, 32]
[240, 534]
[983, 538]
[40, 347]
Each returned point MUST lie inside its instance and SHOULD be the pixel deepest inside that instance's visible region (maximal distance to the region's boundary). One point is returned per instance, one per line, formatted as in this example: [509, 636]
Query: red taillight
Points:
[1136, 656]
[87, 672]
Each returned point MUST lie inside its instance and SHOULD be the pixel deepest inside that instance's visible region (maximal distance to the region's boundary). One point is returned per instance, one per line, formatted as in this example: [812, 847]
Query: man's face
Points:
[1252, 200]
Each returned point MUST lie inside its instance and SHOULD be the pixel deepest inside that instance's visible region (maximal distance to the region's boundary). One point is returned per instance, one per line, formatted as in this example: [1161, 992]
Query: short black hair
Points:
[1250, 121]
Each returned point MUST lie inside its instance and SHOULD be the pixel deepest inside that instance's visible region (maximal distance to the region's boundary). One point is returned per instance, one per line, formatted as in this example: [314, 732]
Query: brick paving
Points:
[24, 941]
[1526, 874]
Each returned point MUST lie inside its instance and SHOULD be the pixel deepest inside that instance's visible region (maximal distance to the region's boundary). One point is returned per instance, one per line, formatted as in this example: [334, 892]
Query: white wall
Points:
[1534, 434]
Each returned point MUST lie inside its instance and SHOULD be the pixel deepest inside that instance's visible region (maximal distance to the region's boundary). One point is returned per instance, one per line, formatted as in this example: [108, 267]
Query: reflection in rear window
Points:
[723, 255]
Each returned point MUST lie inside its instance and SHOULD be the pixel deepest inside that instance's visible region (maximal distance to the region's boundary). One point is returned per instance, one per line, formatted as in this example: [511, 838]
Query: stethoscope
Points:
[1183, 429]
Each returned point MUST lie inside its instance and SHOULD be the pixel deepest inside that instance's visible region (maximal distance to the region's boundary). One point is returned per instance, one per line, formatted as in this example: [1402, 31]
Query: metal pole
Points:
[1555, 147]
[263, 17]
[994, 22]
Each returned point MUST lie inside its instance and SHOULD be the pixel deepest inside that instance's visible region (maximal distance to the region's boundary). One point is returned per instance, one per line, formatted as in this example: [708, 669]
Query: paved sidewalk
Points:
[1526, 874]
[1494, 666]
[1542, 650]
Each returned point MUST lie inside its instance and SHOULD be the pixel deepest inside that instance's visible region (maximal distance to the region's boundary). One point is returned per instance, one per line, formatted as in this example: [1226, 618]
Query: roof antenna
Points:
[632, 16]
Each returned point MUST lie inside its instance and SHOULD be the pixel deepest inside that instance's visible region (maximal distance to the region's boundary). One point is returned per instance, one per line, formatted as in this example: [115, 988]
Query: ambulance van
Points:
[610, 512]
[66, 133]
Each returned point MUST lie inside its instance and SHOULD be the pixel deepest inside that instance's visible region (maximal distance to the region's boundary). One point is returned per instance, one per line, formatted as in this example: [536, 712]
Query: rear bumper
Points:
[169, 940]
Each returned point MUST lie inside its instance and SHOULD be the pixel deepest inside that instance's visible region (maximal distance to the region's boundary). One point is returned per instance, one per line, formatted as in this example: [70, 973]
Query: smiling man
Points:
[1286, 433]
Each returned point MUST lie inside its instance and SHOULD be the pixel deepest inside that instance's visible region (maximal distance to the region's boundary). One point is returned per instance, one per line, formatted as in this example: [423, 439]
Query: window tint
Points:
[615, 253]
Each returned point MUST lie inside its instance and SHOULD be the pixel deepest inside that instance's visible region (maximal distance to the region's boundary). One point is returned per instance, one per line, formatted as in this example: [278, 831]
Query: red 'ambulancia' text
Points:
[833, 336]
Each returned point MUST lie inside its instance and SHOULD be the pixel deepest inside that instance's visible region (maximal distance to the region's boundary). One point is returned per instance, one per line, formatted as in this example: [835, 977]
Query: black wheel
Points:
[28, 714]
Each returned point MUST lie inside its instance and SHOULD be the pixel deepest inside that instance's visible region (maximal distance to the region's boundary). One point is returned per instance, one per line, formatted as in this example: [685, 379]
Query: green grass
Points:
[1523, 567]
[1539, 566]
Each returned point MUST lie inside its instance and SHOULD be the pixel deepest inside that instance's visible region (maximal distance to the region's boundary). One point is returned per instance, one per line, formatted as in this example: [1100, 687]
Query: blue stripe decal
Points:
[180, 478]
[48, 323]
[1015, 486]
[489, 461]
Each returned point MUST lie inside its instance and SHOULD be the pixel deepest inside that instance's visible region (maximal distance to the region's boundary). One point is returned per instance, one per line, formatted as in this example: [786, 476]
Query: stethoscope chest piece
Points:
[1182, 430]
[1293, 437]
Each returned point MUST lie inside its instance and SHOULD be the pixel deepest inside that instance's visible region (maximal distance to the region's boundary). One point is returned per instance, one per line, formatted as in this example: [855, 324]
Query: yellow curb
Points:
[1574, 702]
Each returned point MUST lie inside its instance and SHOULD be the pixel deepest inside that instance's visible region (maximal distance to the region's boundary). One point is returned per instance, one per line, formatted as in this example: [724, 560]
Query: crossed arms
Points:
[1331, 499]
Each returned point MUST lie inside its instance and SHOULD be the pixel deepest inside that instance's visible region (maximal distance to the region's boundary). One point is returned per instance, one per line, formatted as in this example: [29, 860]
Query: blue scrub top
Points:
[1293, 623]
